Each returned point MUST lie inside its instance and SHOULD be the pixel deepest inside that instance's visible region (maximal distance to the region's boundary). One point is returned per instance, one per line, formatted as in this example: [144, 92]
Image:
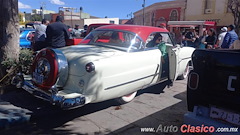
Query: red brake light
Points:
[45, 69]
[193, 80]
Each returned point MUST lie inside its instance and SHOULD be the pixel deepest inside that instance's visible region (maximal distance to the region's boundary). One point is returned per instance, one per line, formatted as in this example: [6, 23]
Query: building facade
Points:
[101, 20]
[161, 13]
[209, 10]
[21, 17]
[185, 10]
[39, 11]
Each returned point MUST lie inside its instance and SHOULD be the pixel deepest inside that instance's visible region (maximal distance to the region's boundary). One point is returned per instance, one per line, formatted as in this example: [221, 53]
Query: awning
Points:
[210, 23]
[182, 25]
[190, 23]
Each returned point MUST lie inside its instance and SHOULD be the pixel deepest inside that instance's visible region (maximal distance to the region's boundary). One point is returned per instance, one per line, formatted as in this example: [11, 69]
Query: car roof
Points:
[142, 31]
[27, 29]
[99, 24]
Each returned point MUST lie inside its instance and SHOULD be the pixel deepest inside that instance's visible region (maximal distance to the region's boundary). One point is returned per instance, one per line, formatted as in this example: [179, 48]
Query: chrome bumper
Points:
[54, 98]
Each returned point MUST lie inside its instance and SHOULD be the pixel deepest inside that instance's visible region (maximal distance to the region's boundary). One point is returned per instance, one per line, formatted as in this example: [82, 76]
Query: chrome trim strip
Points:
[130, 82]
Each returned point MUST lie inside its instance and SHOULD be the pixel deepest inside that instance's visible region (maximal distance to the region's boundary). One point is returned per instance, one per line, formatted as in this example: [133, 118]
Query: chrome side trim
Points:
[139, 79]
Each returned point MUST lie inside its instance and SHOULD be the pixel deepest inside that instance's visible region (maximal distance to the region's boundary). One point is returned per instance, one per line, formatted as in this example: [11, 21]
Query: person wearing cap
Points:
[76, 31]
[57, 33]
[163, 25]
[221, 36]
[230, 37]
[190, 37]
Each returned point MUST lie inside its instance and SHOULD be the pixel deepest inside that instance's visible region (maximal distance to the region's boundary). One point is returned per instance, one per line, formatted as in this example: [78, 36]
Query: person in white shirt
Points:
[221, 36]
[40, 36]
[76, 31]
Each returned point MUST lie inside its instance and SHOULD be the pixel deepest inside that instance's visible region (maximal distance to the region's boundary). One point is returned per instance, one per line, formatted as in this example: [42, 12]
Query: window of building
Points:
[162, 19]
[208, 4]
[208, 7]
[173, 15]
[111, 21]
[153, 19]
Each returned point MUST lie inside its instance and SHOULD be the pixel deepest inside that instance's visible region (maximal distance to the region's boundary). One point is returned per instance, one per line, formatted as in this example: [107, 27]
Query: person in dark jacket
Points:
[230, 37]
[57, 33]
[211, 39]
[191, 36]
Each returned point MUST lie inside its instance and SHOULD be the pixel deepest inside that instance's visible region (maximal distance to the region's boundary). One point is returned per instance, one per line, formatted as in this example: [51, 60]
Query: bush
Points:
[23, 64]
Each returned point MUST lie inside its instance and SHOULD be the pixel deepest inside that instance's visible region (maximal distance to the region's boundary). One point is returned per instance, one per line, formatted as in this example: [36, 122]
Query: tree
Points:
[36, 17]
[234, 7]
[9, 32]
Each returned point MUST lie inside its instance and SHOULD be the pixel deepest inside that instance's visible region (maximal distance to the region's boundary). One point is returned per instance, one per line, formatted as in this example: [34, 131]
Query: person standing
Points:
[190, 37]
[230, 37]
[202, 39]
[76, 31]
[221, 36]
[210, 39]
[84, 32]
[57, 33]
[184, 42]
[163, 25]
[40, 36]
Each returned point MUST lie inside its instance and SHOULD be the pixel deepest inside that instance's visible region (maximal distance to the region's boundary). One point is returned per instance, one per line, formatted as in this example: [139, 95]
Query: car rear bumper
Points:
[200, 116]
[67, 101]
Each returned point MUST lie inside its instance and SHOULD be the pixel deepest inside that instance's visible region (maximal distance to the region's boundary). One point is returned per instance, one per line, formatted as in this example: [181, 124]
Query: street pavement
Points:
[153, 109]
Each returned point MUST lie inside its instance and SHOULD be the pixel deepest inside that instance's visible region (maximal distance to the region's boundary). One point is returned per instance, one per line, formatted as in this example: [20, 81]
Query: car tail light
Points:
[193, 80]
[90, 67]
[45, 69]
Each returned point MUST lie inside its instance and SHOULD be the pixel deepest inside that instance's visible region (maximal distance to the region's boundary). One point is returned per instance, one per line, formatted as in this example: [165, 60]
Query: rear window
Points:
[114, 38]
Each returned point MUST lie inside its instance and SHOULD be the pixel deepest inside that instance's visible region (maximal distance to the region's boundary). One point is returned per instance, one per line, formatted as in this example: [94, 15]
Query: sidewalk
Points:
[11, 115]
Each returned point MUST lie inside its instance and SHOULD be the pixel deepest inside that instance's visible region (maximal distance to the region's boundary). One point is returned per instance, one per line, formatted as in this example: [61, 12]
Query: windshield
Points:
[112, 38]
[22, 34]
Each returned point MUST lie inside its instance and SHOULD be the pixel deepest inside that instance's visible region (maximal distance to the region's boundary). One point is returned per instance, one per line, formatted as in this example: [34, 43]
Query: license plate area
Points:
[38, 78]
[228, 116]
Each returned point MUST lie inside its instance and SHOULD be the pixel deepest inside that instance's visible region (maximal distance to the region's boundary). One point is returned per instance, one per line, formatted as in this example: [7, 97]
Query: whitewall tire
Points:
[185, 73]
[127, 98]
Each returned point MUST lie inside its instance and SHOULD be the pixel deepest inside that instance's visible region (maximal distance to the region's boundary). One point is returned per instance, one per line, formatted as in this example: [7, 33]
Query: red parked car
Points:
[75, 41]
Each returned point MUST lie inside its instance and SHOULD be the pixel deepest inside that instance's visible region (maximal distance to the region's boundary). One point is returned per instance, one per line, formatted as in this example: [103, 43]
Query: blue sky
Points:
[98, 8]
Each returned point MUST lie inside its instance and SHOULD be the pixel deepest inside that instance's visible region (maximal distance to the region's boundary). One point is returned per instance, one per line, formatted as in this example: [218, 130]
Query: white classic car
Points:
[102, 67]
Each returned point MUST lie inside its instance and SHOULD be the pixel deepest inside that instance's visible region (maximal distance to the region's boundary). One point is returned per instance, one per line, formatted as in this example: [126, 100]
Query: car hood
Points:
[80, 55]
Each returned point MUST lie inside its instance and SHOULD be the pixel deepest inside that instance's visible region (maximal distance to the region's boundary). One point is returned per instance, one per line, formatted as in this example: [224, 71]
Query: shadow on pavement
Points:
[173, 114]
[155, 89]
[46, 117]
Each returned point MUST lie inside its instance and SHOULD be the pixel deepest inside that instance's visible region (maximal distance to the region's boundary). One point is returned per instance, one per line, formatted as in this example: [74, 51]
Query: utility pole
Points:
[42, 7]
[143, 5]
[130, 15]
[81, 9]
